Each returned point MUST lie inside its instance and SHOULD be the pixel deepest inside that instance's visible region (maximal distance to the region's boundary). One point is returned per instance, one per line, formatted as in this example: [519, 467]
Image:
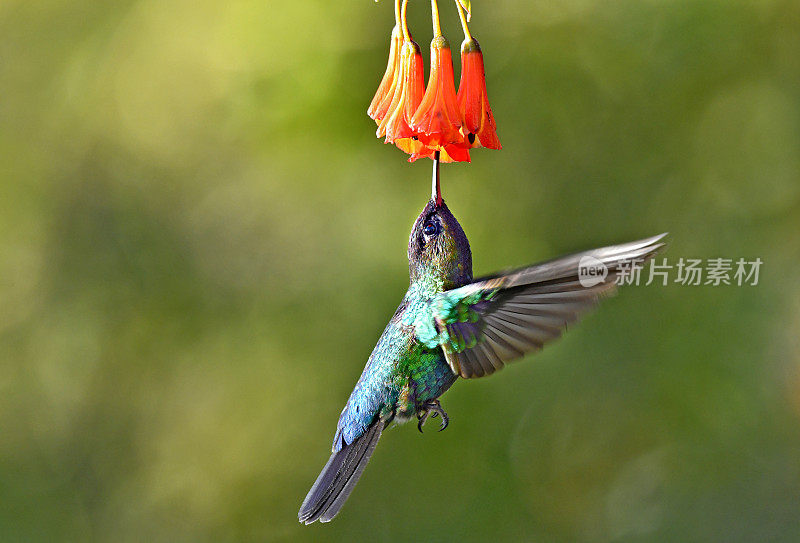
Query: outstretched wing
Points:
[492, 321]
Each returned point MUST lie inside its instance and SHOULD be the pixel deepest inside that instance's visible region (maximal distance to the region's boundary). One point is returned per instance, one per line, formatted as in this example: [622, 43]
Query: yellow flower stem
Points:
[467, 35]
[437, 28]
[404, 24]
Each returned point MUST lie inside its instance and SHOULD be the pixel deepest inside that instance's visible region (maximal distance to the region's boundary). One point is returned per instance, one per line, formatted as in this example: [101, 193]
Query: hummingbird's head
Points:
[438, 250]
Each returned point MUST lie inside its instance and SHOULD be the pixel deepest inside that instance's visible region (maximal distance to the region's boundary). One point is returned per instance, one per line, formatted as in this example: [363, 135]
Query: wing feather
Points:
[522, 310]
[492, 359]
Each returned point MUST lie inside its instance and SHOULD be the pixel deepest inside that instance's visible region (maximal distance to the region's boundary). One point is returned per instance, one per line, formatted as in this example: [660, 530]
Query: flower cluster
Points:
[433, 121]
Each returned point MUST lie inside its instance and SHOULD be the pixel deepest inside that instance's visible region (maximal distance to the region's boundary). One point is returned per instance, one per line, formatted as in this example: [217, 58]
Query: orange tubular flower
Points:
[437, 121]
[380, 102]
[407, 99]
[476, 114]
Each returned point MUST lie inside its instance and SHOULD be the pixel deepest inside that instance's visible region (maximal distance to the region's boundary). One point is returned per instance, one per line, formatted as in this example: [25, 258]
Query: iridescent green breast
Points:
[400, 374]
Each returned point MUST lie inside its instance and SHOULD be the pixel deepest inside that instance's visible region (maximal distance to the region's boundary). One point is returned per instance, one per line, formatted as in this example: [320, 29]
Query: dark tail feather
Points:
[338, 477]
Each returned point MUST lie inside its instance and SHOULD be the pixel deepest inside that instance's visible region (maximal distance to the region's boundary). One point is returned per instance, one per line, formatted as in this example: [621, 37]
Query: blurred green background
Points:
[201, 240]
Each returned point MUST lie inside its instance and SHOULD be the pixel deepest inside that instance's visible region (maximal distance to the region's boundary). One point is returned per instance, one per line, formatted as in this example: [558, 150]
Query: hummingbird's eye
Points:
[431, 228]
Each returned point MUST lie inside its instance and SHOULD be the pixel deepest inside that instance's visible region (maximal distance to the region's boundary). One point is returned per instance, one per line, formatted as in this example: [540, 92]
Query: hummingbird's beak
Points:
[436, 189]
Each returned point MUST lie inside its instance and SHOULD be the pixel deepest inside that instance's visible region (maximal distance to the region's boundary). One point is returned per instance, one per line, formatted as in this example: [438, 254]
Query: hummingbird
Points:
[450, 325]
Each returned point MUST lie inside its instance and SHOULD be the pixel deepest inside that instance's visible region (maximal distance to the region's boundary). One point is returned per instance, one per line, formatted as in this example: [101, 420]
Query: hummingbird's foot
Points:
[432, 409]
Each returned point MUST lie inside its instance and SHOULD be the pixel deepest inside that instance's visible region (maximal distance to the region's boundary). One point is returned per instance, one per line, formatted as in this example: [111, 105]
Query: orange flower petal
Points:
[437, 120]
[412, 146]
[449, 153]
[409, 96]
[378, 107]
[424, 152]
[455, 153]
[476, 113]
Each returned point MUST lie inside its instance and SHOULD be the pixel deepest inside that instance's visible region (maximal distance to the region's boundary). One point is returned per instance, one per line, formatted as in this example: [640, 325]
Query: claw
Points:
[432, 409]
[445, 420]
